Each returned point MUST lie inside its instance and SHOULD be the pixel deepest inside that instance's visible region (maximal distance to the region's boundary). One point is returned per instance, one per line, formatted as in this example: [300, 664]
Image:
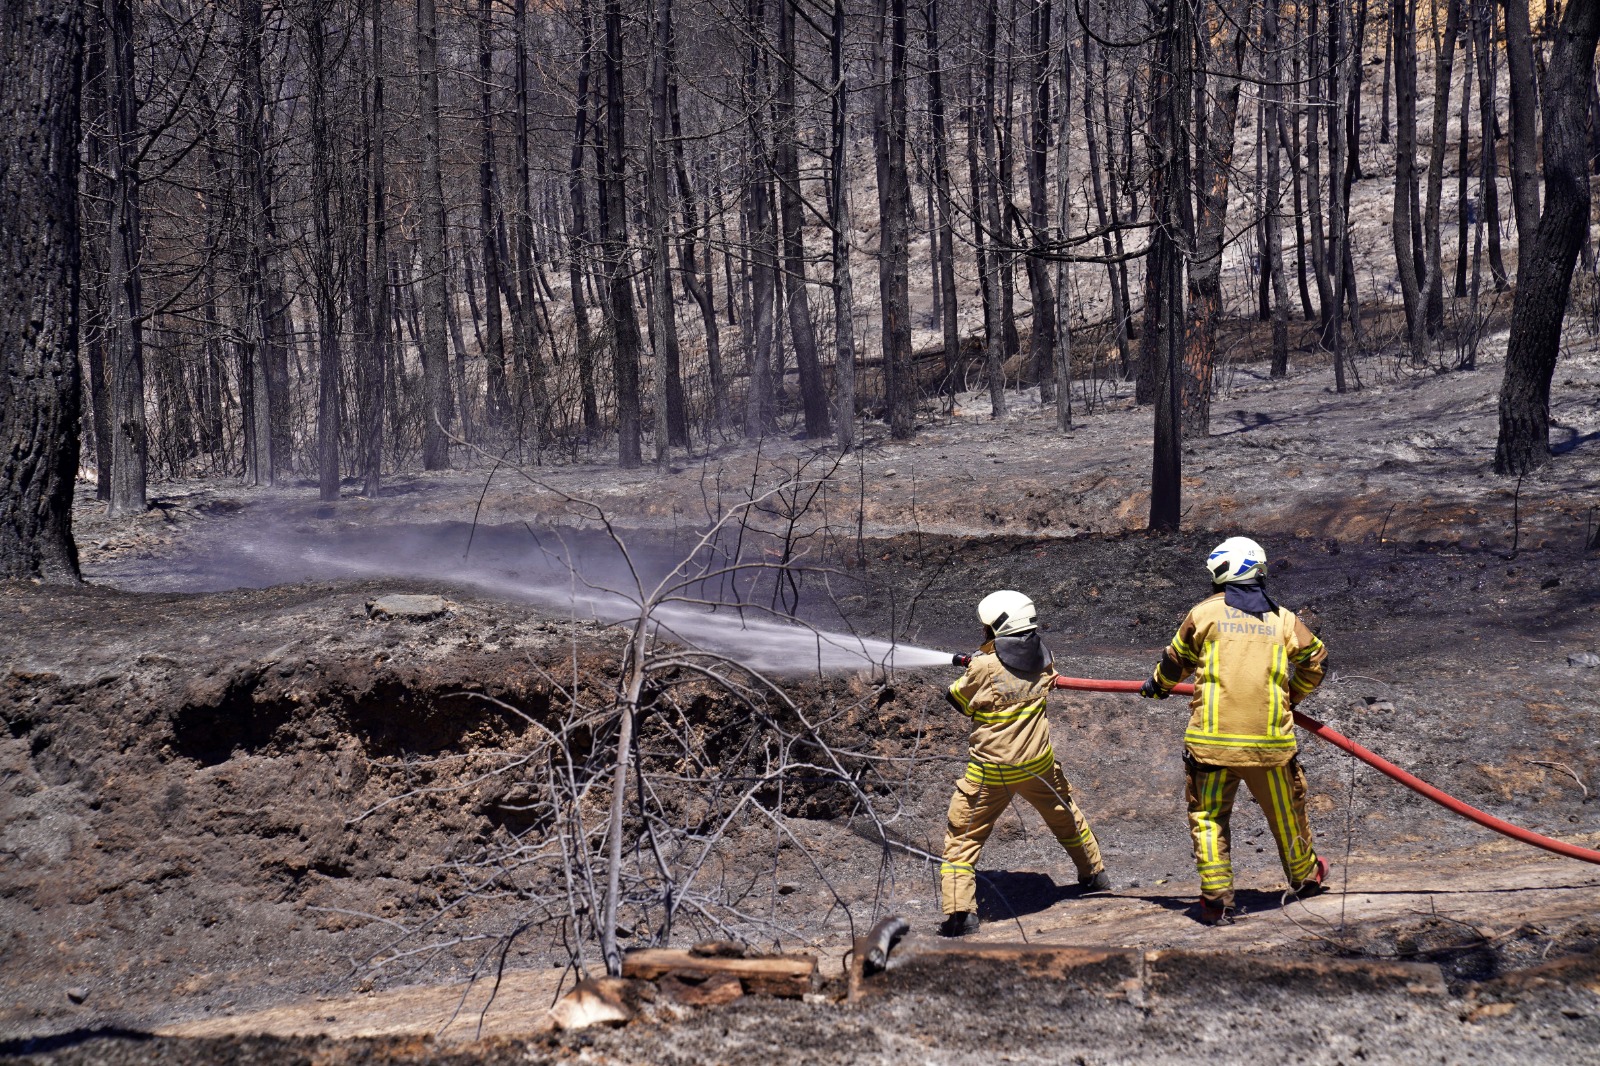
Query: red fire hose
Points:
[1339, 740]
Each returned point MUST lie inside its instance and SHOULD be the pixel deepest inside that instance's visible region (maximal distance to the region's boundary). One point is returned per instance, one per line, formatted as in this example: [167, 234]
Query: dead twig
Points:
[1569, 771]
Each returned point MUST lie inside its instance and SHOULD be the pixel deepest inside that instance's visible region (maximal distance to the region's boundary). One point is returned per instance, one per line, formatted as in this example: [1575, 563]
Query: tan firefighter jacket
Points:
[1250, 671]
[1010, 739]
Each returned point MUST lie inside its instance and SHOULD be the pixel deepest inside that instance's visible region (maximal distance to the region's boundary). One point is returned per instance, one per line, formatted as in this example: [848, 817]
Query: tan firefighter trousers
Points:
[1281, 793]
[974, 810]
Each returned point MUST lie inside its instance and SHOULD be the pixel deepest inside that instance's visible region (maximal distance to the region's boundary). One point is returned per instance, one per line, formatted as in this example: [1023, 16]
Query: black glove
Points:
[1152, 691]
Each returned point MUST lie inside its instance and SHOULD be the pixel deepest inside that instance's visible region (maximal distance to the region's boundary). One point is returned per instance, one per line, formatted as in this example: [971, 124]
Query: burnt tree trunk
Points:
[1212, 169]
[1402, 24]
[498, 398]
[844, 373]
[1540, 303]
[894, 283]
[1043, 336]
[625, 340]
[1433, 269]
[1272, 69]
[943, 202]
[1172, 98]
[1523, 114]
[431, 227]
[324, 277]
[41, 54]
[791, 209]
[122, 304]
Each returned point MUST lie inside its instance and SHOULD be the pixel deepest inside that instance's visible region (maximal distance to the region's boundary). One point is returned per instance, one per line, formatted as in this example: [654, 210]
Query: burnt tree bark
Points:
[122, 303]
[1540, 303]
[1172, 97]
[435, 271]
[1042, 341]
[1403, 31]
[791, 210]
[1213, 167]
[497, 402]
[1433, 261]
[1523, 114]
[41, 54]
[324, 277]
[1272, 70]
[625, 340]
[894, 200]
[943, 201]
[844, 373]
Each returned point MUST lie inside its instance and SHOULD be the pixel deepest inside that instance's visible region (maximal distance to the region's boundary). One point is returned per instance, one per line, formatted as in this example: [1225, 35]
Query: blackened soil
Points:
[182, 780]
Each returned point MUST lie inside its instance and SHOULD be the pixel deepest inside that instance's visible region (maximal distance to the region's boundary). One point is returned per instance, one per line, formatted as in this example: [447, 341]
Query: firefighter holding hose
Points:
[1009, 754]
[1253, 661]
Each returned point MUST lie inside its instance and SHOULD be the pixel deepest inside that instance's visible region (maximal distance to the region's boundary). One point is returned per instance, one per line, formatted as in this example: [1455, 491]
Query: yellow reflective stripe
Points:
[1301, 684]
[998, 773]
[1277, 676]
[1182, 647]
[1213, 685]
[963, 704]
[948, 868]
[1075, 842]
[1012, 714]
[1300, 858]
[1225, 740]
[1211, 808]
[1309, 651]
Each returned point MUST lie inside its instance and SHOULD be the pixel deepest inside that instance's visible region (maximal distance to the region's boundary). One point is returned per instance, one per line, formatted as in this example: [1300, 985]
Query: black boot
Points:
[1097, 882]
[959, 924]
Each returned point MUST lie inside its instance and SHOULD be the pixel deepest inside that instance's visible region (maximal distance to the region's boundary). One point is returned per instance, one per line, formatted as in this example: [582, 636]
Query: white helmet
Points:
[1007, 612]
[1237, 559]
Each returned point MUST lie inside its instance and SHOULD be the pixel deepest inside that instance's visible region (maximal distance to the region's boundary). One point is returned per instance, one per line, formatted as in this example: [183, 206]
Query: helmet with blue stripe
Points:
[1236, 560]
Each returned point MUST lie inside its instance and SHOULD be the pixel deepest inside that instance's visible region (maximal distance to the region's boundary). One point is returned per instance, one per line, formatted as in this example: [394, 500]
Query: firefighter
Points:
[1253, 661]
[1003, 692]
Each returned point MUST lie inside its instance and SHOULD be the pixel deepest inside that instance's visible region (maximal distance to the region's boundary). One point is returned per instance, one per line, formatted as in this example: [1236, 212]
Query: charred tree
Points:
[791, 207]
[122, 299]
[1172, 97]
[1540, 303]
[41, 55]
[1432, 284]
[894, 203]
[1274, 142]
[1222, 47]
[1043, 336]
[625, 340]
[657, 191]
[1402, 24]
[326, 289]
[1524, 111]
[497, 402]
[435, 271]
[992, 261]
[844, 419]
[944, 204]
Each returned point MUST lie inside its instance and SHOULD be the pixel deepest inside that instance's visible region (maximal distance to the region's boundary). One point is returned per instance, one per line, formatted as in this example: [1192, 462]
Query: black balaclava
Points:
[1248, 596]
[1023, 653]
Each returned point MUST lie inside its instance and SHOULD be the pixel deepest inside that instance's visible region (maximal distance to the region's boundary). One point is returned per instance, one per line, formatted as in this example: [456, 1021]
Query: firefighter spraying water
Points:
[1003, 691]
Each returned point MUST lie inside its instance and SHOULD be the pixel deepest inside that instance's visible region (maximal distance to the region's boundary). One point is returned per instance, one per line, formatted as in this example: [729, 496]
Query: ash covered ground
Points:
[210, 812]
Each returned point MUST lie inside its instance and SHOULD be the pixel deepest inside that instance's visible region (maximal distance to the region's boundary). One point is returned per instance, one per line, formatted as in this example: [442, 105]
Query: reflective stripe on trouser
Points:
[974, 810]
[1281, 793]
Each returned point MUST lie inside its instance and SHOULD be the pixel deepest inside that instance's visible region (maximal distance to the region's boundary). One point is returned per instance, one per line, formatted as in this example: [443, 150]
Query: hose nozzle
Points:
[961, 659]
